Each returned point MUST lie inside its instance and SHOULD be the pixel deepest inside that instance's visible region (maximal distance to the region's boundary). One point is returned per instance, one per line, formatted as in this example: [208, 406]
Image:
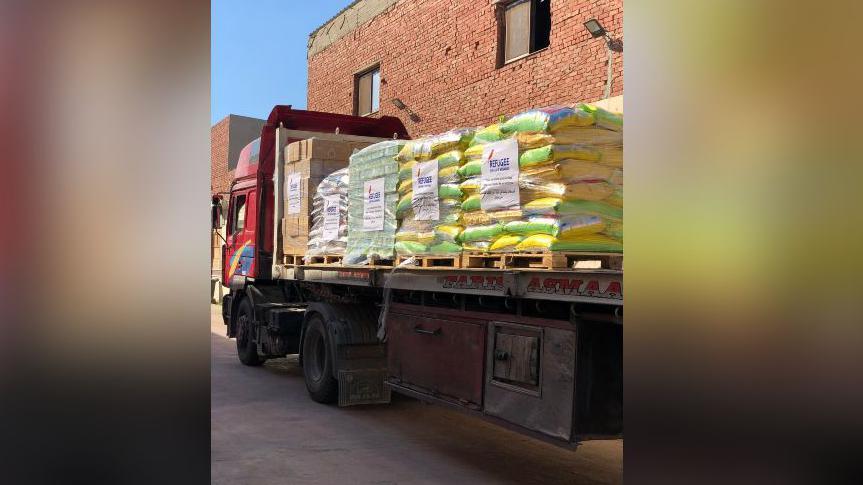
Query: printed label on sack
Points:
[373, 205]
[294, 195]
[332, 217]
[499, 181]
[425, 201]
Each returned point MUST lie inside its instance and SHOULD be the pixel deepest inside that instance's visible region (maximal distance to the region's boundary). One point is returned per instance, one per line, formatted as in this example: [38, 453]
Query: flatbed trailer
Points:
[535, 350]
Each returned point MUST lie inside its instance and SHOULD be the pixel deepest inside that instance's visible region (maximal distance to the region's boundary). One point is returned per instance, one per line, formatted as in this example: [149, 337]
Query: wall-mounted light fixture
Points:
[614, 45]
[595, 28]
[402, 106]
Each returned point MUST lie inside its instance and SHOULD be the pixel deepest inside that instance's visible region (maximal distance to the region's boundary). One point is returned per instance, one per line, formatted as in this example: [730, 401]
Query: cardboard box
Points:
[314, 168]
[322, 149]
[295, 227]
[295, 240]
[314, 159]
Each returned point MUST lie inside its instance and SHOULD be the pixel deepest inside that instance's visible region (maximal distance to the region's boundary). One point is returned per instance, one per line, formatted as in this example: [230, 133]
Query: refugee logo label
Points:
[425, 201]
[294, 195]
[332, 218]
[373, 205]
[499, 178]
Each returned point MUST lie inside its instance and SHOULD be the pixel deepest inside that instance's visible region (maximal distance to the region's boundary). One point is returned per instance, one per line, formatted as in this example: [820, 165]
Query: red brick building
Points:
[439, 64]
[227, 138]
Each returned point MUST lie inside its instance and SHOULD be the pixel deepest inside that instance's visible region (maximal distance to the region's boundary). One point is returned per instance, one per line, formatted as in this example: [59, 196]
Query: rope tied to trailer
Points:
[382, 318]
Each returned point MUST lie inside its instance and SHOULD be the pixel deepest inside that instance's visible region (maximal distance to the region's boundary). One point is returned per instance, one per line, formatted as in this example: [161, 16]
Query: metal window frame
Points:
[359, 74]
[500, 14]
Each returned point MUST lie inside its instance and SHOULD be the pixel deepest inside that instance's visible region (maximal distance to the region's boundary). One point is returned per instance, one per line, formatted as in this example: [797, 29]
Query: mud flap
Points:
[364, 386]
[361, 374]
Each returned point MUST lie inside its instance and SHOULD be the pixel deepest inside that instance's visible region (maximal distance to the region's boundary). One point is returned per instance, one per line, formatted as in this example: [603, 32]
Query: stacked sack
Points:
[569, 194]
[372, 181]
[329, 232]
[429, 207]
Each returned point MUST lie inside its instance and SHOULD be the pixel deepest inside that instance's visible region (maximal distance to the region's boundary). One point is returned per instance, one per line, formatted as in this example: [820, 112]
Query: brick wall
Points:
[227, 138]
[220, 175]
[440, 58]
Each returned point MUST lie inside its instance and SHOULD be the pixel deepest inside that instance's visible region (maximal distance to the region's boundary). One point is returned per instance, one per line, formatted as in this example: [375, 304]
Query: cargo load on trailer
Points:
[307, 164]
[546, 179]
[328, 235]
[372, 199]
[429, 207]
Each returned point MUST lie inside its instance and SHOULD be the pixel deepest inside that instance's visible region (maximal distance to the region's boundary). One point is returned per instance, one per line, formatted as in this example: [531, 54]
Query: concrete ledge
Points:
[354, 15]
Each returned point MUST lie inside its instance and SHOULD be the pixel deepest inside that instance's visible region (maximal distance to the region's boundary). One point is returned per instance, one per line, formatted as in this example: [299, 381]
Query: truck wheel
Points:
[246, 349]
[317, 365]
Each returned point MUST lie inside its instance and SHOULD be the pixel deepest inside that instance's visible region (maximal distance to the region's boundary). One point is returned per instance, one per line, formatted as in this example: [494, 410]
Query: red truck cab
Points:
[248, 250]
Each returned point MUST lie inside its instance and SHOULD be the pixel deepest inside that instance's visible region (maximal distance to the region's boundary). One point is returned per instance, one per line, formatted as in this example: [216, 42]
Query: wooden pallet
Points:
[380, 262]
[327, 259]
[454, 261]
[294, 259]
[376, 262]
[549, 260]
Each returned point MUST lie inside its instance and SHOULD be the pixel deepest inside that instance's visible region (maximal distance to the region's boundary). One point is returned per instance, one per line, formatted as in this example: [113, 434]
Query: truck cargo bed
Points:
[603, 286]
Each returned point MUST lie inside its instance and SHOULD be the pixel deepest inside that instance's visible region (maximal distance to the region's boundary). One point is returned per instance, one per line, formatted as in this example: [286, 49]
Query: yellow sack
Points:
[545, 172]
[505, 243]
[406, 186]
[572, 170]
[448, 173]
[428, 147]
[611, 156]
[474, 152]
[616, 199]
[470, 186]
[488, 134]
[573, 227]
[537, 242]
[476, 218]
[448, 233]
[588, 191]
[476, 246]
[614, 230]
[471, 203]
[406, 236]
[425, 237]
[590, 135]
[542, 207]
[526, 141]
[405, 170]
[591, 242]
[404, 204]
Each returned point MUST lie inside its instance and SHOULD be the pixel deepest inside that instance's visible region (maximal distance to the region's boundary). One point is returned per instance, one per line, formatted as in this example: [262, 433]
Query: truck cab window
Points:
[239, 219]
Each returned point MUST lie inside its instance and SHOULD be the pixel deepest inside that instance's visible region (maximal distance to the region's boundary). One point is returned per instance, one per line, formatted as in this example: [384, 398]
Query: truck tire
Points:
[246, 349]
[317, 362]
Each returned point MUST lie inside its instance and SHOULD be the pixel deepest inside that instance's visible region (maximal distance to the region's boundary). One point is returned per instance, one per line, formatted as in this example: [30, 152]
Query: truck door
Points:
[240, 241]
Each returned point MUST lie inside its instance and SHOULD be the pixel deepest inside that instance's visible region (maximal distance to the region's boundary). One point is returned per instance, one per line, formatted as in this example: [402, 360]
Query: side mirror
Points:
[216, 214]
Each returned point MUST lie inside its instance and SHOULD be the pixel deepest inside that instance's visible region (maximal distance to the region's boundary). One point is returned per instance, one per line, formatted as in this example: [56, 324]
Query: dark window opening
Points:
[524, 27]
[367, 91]
[238, 218]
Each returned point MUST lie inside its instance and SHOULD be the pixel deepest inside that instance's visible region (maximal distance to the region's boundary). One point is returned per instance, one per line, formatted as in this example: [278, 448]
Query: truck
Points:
[536, 350]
